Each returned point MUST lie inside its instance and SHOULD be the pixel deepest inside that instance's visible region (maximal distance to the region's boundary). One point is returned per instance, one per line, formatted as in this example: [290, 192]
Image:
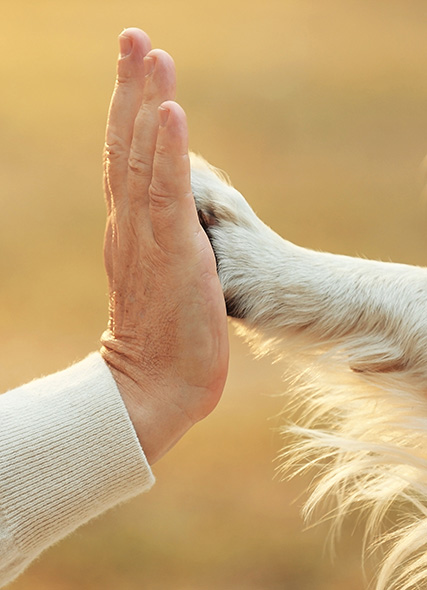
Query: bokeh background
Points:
[317, 109]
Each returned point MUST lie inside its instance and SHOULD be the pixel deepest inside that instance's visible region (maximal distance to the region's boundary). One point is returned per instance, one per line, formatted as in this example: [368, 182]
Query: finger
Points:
[125, 103]
[108, 252]
[159, 87]
[172, 210]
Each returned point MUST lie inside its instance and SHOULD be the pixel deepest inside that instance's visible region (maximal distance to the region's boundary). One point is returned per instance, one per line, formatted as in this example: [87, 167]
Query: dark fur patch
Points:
[207, 218]
[234, 307]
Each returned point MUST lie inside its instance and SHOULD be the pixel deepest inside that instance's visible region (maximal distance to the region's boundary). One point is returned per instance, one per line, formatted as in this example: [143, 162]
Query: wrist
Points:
[158, 424]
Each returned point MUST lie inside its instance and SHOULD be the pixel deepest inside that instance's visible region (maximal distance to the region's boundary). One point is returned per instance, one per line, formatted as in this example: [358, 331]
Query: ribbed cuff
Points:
[68, 452]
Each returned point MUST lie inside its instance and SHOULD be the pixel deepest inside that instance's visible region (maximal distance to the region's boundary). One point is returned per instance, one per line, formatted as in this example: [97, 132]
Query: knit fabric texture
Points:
[68, 452]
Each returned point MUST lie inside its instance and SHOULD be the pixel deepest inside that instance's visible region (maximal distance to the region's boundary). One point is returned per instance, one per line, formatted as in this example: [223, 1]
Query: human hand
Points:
[166, 342]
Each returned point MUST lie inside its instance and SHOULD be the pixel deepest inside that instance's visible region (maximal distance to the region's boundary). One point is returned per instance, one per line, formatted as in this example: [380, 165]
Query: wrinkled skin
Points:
[166, 342]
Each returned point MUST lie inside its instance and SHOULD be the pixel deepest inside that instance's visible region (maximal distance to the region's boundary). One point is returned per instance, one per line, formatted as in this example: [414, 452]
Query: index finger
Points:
[173, 212]
[124, 106]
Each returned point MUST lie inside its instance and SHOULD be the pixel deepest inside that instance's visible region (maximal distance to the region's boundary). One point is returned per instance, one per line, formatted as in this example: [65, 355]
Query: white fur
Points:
[353, 334]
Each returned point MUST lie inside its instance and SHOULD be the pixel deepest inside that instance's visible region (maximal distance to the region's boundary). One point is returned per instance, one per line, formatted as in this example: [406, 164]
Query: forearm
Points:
[331, 300]
[68, 452]
[331, 295]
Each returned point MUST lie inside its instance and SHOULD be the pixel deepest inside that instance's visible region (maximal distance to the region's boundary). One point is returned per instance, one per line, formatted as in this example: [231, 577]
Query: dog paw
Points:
[236, 234]
[216, 199]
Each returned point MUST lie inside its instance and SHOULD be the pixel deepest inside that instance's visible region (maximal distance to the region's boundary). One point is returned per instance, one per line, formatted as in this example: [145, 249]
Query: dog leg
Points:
[357, 332]
[282, 290]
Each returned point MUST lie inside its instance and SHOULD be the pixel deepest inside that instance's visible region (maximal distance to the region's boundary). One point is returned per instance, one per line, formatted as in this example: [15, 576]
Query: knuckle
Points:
[163, 152]
[139, 165]
[125, 75]
[168, 188]
[158, 192]
[114, 148]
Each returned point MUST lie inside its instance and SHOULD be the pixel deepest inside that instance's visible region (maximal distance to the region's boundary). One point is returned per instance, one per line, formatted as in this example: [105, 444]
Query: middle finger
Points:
[160, 84]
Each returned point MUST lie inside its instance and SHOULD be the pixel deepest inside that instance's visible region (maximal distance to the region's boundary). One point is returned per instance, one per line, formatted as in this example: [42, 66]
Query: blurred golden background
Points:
[318, 112]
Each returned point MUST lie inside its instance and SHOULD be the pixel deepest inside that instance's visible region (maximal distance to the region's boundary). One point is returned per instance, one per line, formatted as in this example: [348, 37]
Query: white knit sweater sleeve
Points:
[68, 452]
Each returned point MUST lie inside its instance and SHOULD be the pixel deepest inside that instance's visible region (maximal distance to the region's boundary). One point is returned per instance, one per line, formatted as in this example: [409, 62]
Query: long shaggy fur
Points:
[353, 335]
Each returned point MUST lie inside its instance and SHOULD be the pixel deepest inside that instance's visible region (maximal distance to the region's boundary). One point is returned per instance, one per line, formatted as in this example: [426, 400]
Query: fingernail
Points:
[149, 63]
[125, 44]
[163, 116]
